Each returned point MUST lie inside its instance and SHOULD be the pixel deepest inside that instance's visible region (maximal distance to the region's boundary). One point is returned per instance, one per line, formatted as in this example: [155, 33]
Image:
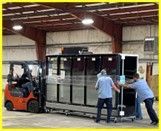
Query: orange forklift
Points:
[23, 91]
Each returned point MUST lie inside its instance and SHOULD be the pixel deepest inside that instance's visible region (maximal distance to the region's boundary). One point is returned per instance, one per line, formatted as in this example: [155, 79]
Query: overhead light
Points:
[87, 21]
[17, 27]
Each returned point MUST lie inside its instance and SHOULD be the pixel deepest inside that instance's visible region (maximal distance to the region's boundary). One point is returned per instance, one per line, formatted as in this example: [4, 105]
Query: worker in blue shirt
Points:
[145, 95]
[138, 111]
[104, 86]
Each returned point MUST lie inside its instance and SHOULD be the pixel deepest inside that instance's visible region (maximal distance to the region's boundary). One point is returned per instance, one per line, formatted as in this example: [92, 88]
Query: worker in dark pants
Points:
[104, 86]
[146, 95]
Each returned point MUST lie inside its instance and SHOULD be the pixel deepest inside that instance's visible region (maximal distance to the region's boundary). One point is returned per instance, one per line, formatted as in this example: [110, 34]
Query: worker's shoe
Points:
[154, 123]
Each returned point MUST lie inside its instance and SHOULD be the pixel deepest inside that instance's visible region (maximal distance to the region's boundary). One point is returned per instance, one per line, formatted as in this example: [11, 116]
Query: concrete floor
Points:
[17, 119]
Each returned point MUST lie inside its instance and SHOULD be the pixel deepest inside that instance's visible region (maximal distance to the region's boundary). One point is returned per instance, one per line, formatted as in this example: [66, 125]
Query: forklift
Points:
[23, 92]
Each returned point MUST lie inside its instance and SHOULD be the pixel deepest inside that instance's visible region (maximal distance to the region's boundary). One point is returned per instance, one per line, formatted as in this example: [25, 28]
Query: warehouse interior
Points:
[52, 28]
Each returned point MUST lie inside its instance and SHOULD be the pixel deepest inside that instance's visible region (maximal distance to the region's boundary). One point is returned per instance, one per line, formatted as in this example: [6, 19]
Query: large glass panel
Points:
[52, 79]
[93, 68]
[78, 80]
[65, 71]
[110, 63]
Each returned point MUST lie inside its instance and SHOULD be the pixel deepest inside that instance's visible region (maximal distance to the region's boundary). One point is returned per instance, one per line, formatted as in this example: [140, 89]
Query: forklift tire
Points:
[9, 106]
[33, 106]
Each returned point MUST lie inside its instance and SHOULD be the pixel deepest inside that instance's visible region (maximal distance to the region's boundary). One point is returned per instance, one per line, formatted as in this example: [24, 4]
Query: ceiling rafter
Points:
[134, 14]
[20, 10]
[56, 12]
[30, 19]
[65, 27]
[44, 23]
[15, 4]
[117, 12]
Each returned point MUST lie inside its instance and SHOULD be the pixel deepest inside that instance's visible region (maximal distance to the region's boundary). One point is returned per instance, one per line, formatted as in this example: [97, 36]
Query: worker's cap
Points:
[103, 72]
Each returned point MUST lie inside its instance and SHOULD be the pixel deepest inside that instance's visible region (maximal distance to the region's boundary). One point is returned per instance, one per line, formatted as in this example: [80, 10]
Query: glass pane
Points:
[34, 69]
[52, 79]
[110, 63]
[65, 70]
[18, 70]
[78, 80]
[93, 68]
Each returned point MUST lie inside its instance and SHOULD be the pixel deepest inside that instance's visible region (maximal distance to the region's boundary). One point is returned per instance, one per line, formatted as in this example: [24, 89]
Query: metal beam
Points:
[117, 39]
[130, 9]
[142, 23]
[26, 31]
[136, 14]
[29, 19]
[20, 10]
[139, 20]
[64, 27]
[17, 16]
[52, 23]
[15, 4]
[41, 49]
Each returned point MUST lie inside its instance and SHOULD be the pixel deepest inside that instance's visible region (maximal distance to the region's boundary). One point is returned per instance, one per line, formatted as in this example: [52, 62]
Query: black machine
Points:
[70, 82]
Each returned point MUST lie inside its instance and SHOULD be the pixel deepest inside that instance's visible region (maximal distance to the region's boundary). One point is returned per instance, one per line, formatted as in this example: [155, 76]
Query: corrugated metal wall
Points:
[95, 40]
[133, 39]
[133, 43]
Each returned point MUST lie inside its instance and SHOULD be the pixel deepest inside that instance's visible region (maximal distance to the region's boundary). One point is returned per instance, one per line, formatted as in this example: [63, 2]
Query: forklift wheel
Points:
[9, 106]
[33, 106]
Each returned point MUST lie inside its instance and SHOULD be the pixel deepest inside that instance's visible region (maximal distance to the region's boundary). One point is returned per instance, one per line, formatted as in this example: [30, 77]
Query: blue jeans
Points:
[138, 112]
[150, 110]
[108, 102]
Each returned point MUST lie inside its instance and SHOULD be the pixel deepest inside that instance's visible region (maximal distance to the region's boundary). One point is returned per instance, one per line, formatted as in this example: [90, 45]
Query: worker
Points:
[138, 111]
[11, 78]
[26, 82]
[145, 95]
[104, 86]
